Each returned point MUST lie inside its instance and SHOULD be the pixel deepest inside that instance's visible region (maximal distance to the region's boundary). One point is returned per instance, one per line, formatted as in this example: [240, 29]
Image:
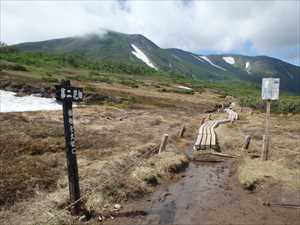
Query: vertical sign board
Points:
[67, 95]
[270, 92]
[270, 88]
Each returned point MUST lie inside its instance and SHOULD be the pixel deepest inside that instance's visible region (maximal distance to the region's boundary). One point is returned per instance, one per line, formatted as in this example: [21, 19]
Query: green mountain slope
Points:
[137, 49]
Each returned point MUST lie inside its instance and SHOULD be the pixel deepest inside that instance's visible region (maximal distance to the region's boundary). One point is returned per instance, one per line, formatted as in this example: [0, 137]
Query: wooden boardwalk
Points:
[207, 138]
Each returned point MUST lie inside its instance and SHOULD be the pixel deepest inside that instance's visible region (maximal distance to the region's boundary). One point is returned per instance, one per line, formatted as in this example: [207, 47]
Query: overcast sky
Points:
[246, 27]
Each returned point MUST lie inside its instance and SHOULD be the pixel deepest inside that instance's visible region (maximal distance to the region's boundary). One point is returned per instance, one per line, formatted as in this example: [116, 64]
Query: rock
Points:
[163, 196]
[83, 218]
[117, 206]
[101, 218]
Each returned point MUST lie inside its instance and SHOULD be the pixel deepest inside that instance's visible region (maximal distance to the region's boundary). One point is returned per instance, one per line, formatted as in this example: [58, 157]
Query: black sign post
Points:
[68, 94]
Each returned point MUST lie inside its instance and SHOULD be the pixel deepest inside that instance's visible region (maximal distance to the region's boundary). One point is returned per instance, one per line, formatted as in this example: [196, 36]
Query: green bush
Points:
[286, 104]
[12, 66]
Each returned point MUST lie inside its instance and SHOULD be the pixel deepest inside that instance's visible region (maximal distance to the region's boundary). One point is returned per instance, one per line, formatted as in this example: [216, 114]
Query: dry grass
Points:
[284, 164]
[26, 160]
[253, 172]
[108, 139]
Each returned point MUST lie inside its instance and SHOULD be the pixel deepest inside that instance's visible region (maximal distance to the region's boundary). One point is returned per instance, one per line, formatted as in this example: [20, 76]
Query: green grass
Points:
[50, 68]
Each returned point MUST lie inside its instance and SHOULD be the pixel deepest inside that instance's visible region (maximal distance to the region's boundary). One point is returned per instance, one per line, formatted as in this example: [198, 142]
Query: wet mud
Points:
[188, 200]
[209, 194]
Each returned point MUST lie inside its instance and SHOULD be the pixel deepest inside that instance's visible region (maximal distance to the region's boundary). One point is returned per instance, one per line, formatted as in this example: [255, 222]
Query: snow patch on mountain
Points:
[229, 60]
[247, 66]
[140, 55]
[211, 63]
[9, 102]
[197, 57]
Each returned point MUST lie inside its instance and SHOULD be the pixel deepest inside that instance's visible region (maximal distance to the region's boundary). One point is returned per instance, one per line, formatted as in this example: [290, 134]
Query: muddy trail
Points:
[201, 190]
[207, 193]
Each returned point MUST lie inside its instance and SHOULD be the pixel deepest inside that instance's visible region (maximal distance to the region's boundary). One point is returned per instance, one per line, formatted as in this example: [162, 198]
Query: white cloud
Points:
[221, 26]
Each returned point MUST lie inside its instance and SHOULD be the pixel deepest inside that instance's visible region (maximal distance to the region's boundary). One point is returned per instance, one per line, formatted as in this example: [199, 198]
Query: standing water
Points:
[189, 200]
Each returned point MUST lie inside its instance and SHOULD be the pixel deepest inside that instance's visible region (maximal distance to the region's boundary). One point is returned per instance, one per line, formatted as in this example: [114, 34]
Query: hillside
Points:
[137, 49]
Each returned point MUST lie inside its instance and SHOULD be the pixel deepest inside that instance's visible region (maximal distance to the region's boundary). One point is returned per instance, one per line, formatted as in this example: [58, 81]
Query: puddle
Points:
[189, 199]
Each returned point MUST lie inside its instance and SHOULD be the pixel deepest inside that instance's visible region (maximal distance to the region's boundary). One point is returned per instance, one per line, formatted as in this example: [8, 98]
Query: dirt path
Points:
[208, 194]
[211, 193]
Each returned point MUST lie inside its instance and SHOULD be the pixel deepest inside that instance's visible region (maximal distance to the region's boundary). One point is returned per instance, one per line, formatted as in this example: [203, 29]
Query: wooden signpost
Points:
[270, 91]
[67, 95]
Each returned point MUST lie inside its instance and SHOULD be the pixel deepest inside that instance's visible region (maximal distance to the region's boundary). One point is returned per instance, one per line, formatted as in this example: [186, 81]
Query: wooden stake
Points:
[182, 131]
[266, 137]
[247, 142]
[163, 143]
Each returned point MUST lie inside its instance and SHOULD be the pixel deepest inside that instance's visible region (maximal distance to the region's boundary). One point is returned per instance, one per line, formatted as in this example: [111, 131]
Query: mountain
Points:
[137, 49]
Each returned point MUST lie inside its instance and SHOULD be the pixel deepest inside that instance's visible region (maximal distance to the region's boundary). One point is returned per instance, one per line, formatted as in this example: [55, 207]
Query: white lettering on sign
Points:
[62, 93]
[270, 88]
[69, 93]
[72, 132]
[80, 95]
[77, 95]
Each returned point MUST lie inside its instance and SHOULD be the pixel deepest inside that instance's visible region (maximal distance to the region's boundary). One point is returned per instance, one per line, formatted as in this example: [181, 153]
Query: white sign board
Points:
[270, 88]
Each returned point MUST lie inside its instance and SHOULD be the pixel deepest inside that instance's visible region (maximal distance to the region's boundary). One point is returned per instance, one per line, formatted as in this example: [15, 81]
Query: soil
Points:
[209, 193]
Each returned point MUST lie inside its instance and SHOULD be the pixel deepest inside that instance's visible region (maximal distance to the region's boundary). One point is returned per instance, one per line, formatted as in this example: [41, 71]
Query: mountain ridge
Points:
[138, 49]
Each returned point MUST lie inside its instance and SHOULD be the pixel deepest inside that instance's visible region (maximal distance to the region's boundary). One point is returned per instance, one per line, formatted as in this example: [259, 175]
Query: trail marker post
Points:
[67, 95]
[270, 92]
[163, 143]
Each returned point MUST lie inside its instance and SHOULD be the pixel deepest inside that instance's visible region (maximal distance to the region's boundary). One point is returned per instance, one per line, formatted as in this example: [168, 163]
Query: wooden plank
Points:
[205, 135]
[210, 130]
[203, 140]
[202, 128]
[200, 136]
[207, 139]
[198, 141]
[213, 134]
[232, 115]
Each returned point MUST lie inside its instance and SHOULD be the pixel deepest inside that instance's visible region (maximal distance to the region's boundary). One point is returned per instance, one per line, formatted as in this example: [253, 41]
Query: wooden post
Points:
[163, 143]
[67, 95]
[266, 137]
[247, 142]
[182, 131]
[231, 116]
